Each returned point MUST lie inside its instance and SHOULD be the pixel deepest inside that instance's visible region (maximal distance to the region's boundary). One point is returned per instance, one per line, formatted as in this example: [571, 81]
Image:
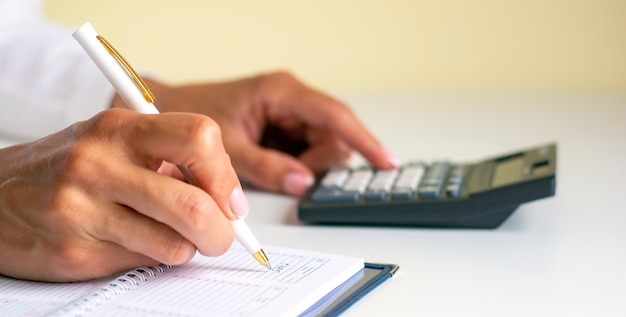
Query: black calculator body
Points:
[439, 194]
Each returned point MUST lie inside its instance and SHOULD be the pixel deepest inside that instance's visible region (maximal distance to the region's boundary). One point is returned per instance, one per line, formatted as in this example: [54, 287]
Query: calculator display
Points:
[508, 170]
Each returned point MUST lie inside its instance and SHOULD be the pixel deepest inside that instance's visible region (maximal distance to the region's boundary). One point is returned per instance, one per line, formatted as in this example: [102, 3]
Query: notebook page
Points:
[235, 285]
[25, 298]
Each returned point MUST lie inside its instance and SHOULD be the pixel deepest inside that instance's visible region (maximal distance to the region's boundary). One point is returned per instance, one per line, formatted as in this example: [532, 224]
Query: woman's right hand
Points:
[103, 196]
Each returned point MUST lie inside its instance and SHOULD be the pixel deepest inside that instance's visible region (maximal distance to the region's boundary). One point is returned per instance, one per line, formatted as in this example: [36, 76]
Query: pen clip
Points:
[147, 94]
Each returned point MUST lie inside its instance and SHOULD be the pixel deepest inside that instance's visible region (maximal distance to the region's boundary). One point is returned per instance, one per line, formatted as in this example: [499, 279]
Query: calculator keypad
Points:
[409, 182]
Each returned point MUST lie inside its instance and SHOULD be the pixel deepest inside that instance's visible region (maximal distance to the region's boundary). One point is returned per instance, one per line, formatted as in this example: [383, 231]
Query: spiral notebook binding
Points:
[104, 293]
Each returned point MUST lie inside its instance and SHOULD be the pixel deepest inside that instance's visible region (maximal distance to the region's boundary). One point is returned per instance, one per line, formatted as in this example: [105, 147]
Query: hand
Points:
[277, 131]
[99, 197]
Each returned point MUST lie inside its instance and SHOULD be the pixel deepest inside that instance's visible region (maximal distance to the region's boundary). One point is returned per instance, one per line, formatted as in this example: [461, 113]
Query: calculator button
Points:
[383, 180]
[380, 185]
[335, 178]
[434, 180]
[453, 190]
[407, 181]
[429, 191]
[358, 181]
[402, 194]
[372, 195]
[455, 182]
[326, 196]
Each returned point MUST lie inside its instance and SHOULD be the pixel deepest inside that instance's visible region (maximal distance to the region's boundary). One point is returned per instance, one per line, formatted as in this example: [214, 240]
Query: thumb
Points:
[271, 170]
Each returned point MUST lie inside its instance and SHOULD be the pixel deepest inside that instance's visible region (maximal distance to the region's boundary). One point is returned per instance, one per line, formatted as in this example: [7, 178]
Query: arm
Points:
[47, 82]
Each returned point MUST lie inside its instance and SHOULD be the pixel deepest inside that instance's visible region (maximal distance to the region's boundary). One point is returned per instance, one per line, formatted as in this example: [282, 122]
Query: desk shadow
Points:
[291, 218]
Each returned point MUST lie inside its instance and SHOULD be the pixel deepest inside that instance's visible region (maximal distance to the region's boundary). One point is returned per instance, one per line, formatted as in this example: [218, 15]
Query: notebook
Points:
[300, 283]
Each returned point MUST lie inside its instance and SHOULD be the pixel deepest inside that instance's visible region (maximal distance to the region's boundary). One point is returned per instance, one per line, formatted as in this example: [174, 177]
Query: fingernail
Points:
[392, 158]
[239, 203]
[296, 184]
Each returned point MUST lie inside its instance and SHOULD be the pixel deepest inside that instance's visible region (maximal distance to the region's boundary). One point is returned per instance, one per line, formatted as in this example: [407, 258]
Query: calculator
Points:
[481, 194]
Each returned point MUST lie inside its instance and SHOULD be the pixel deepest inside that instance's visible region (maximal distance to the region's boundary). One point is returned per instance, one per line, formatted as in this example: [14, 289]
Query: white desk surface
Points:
[561, 256]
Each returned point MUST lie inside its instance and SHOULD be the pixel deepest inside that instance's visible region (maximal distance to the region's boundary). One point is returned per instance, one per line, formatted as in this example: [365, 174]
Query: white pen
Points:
[137, 95]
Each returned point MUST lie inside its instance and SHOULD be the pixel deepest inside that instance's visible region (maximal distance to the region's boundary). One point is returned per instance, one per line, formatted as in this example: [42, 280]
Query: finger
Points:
[192, 141]
[186, 212]
[320, 110]
[325, 151]
[269, 169]
[143, 235]
[337, 117]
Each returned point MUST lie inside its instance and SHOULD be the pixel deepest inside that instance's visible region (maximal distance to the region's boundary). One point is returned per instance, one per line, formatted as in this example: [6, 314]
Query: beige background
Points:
[374, 46]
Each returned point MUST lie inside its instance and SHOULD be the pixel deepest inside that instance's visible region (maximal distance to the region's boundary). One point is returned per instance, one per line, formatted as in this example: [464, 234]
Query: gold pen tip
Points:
[261, 257]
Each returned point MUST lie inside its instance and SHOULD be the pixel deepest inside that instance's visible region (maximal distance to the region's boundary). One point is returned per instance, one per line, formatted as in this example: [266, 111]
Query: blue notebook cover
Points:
[348, 293]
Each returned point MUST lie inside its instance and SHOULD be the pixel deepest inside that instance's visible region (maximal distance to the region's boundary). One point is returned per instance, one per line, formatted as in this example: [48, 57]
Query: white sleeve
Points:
[47, 81]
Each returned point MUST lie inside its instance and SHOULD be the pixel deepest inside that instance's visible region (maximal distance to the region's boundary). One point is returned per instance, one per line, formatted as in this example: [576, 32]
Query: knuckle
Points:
[344, 152]
[340, 114]
[107, 120]
[71, 261]
[65, 204]
[281, 78]
[78, 160]
[84, 152]
[204, 132]
[195, 210]
[177, 250]
[80, 167]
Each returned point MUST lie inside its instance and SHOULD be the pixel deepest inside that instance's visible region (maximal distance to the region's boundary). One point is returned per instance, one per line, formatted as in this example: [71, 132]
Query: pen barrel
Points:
[87, 37]
[244, 235]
